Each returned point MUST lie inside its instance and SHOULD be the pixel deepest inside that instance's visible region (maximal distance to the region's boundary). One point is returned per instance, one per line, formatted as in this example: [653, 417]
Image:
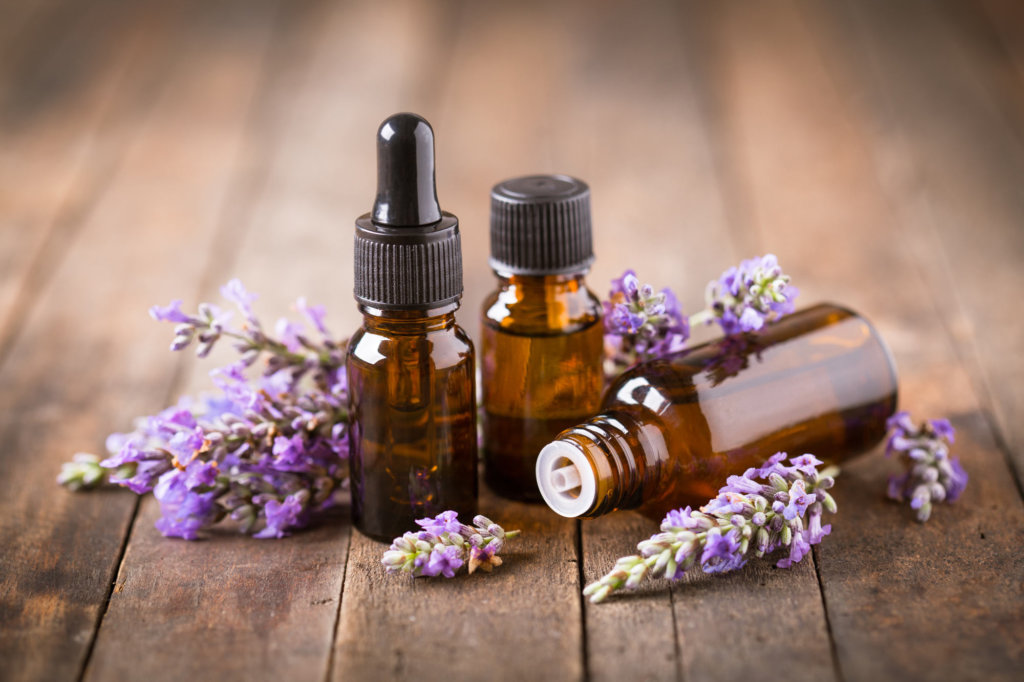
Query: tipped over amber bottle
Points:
[411, 369]
[671, 430]
[542, 337]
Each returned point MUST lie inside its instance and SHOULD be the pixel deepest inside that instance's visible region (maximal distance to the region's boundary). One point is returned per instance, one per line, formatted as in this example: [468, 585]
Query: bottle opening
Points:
[566, 479]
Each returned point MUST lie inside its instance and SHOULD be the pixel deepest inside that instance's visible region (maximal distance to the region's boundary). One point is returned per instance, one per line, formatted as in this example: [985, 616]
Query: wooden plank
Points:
[633, 636]
[523, 620]
[903, 600]
[77, 80]
[89, 359]
[519, 622]
[290, 234]
[949, 129]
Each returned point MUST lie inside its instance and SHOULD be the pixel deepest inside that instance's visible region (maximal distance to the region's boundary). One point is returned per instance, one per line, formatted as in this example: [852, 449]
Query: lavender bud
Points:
[180, 342]
[204, 349]
[778, 482]
[829, 503]
[787, 535]
[762, 540]
[393, 557]
[662, 561]
[759, 518]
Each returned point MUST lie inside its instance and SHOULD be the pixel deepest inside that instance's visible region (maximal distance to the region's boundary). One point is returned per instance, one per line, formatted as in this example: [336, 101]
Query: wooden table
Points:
[151, 150]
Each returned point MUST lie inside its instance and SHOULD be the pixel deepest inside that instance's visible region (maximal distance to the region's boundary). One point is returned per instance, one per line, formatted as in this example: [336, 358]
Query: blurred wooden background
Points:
[153, 150]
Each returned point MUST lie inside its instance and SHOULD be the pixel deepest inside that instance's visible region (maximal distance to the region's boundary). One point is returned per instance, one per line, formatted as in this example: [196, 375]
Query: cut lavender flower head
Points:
[747, 517]
[445, 545]
[930, 474]
[268, 452]
[642, 323]
[747, 296]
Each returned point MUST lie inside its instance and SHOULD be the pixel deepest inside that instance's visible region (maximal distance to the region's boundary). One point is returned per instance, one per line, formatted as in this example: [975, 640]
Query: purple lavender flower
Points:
[722, 552]
[930, 474]
[200, 474]
[781, 510]
[445, 522]
[169, 313]
[316, 314]
[236, 292]
[283, 516]
[445, 560]
[185, 512]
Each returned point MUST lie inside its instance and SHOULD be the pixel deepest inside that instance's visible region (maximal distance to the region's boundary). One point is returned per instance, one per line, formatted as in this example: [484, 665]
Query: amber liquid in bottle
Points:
[542, 343]
[413, 446]
[672, 430]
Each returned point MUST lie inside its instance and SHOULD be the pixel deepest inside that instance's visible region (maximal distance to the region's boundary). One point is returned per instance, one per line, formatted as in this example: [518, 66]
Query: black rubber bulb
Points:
[406, 189]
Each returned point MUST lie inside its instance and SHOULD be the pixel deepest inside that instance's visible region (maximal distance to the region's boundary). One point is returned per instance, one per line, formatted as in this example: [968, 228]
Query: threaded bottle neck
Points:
[606, 463]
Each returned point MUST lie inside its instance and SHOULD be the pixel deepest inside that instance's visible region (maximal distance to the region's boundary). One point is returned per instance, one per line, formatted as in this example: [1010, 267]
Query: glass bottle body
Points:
[672, 430]
[542, 344]
[413, 443]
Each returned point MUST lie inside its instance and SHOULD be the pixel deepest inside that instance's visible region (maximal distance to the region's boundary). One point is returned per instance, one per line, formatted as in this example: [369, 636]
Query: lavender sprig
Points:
[747, 296]
[268, 452]
[930, 475]
[445, 545]
[642, 324]
[764, 510]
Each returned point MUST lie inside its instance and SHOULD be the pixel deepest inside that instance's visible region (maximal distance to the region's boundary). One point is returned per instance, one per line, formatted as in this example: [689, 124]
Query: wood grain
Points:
[520, 621]
[896, 592]
[948, 142]
[78, 81]
[89, 359]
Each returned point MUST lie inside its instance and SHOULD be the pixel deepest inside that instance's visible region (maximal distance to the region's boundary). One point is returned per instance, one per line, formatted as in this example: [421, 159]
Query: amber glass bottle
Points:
[410, 367]
[542, 336]
[673, 429]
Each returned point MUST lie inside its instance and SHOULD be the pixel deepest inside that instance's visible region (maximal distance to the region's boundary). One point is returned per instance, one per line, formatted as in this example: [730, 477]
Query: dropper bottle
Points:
[671, 430]
[412, 404]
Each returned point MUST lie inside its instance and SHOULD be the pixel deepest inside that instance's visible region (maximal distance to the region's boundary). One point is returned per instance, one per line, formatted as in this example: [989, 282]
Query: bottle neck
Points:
[541, 285]
[390, 322]
[610, 462]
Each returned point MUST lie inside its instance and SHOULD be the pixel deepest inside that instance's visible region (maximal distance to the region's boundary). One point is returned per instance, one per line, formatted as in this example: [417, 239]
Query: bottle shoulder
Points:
[541, 311]
[443, 348]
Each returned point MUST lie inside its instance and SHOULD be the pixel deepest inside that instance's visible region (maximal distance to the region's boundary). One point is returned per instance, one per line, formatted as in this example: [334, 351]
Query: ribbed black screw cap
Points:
[408, 254]
[540, 225]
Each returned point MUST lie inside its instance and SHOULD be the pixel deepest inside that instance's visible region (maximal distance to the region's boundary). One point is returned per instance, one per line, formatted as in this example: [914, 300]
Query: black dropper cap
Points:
[540, 225]
[408, 253]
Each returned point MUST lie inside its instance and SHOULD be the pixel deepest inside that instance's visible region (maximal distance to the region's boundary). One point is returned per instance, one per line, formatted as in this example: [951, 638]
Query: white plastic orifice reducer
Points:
[566, 479]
